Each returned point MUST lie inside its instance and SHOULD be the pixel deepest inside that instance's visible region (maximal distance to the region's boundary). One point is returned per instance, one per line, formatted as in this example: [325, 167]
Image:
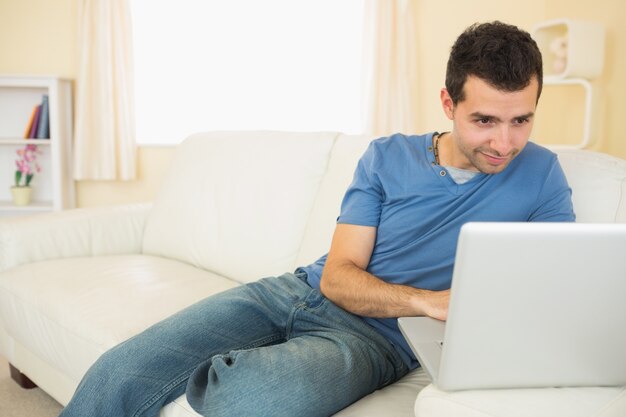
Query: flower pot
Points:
[21, 195]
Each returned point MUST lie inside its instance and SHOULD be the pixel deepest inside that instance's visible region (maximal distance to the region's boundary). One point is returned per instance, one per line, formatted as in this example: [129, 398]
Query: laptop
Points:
[531, 305]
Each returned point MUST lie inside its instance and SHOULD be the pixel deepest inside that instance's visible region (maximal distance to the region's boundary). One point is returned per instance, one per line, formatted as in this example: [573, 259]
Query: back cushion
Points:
[344, 158]
[598, 184]
[237, 203]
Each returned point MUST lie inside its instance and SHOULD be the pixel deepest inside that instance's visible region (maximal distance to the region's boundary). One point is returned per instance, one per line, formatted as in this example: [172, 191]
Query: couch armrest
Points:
[72, 233]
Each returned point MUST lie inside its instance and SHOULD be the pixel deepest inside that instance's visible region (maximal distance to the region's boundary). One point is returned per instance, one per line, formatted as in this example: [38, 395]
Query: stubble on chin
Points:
[480, 160]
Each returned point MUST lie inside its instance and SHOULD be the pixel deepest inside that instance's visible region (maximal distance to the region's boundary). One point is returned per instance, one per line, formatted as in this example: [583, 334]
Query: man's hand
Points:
[436, 305]
[346, 282]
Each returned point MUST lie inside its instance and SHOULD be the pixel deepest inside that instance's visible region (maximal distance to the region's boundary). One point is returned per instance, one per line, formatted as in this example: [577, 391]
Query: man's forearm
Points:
[364, 294]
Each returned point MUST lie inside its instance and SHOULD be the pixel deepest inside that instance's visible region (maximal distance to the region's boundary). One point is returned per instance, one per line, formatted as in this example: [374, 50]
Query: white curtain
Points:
[390, 62]
[104, 144]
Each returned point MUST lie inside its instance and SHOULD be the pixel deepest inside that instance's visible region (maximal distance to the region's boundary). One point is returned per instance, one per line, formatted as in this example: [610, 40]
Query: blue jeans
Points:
[275, 347]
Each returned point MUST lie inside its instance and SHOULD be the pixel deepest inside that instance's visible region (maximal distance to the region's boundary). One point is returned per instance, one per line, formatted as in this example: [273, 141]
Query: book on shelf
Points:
[39, 123]
[31, 121]
[35, 124]
[43, 130]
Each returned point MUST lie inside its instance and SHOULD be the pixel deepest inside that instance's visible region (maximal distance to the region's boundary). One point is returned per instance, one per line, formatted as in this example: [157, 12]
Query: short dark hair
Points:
[500, 54]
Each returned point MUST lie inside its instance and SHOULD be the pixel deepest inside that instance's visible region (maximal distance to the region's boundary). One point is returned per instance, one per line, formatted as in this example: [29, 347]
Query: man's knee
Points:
[109, 372]
[214, 388]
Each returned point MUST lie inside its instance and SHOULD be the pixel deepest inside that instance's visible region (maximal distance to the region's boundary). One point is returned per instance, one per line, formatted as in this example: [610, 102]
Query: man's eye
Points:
[483, 120]
[521, 120]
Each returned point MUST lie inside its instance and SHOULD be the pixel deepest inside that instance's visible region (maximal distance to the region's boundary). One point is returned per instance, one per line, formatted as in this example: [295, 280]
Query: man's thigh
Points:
[150, 369]
[330, 359]
[240, 318]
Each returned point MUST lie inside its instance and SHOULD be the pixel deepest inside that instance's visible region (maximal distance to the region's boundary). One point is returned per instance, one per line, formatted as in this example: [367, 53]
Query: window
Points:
[246, 64]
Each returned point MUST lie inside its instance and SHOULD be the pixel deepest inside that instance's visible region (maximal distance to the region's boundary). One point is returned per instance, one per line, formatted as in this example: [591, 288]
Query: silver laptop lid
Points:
[532, 305]
[537, 304]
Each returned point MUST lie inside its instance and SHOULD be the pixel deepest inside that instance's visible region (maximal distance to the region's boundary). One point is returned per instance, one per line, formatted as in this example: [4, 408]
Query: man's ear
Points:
[447, 104]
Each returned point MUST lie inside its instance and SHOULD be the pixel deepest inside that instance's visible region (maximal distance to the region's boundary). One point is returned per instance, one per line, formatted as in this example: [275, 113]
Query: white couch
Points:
[236, 206]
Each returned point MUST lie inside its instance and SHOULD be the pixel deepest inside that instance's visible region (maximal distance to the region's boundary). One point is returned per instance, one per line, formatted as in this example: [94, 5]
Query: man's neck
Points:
[450, 155]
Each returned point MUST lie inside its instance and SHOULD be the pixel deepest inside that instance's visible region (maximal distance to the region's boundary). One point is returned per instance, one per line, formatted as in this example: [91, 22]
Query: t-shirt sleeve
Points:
[363, 200]
[554, 203]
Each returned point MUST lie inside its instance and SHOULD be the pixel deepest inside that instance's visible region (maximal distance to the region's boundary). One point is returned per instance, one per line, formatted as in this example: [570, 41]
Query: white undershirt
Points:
[460, 176]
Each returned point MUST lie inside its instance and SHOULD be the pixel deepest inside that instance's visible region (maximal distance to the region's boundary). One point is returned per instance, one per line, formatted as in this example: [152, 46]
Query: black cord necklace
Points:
[436, 147]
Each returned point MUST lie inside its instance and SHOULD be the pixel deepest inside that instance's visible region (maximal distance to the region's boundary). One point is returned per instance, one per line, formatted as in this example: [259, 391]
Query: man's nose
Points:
[501, 141]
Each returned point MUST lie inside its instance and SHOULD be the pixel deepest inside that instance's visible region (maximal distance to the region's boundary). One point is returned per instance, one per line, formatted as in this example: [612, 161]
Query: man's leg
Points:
[330, 360]
[139, 376]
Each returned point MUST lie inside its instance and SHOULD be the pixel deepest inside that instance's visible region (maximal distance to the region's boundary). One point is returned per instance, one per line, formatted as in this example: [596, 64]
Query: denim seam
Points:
[261, 342]
[313, 300]
[164, 391]
[291, 319]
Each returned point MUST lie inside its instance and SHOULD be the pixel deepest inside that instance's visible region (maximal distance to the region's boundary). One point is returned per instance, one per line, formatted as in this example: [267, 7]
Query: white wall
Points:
[39, 37]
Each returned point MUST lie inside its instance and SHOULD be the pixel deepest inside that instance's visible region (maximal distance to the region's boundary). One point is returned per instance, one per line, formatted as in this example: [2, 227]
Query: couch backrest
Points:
[252, 204]
[598, 184]
[346, 153]
[238, 203]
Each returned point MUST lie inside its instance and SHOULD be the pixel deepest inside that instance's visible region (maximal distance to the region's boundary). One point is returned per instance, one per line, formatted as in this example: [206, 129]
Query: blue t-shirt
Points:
[418, 211]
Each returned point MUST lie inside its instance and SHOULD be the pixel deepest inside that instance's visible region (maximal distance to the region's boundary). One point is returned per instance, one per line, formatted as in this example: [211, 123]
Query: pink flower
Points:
[22, 166]
[27, 160]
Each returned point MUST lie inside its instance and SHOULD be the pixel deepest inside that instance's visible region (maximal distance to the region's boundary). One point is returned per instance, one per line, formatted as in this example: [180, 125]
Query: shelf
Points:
[586, 139]
[11, 141]
[570, 48]
[570, 123]
[31, 81]
[35, 206]
[53, 186]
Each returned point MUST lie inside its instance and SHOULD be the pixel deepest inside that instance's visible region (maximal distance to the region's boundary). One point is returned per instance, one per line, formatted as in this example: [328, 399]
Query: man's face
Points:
[490, 127]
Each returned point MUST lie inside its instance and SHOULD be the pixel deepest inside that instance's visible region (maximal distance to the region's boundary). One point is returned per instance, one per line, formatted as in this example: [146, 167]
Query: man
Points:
[312, 342]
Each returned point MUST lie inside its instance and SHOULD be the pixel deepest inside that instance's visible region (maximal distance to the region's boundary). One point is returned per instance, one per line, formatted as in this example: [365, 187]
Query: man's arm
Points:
[346, 282]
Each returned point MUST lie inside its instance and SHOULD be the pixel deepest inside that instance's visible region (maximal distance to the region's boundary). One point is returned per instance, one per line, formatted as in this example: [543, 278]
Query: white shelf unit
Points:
[589, 109]
[53, 187]
[573, 54]
[578, 44]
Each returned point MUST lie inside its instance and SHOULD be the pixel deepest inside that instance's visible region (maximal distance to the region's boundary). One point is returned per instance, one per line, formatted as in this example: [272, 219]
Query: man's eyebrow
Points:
[479, 115]
[525, 116]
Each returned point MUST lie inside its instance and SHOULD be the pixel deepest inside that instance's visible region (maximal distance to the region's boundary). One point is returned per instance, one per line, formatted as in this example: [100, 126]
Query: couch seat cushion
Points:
[70, 311]
[395, 400]
[540, 402]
